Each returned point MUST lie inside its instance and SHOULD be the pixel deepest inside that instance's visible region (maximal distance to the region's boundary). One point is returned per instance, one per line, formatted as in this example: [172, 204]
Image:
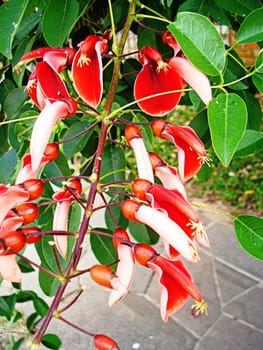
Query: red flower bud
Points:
[131, 132]
[144, 253]
[11, 242]
[32, 234]
[51, 152]
[102, 275]
[103, 342]
[34, 187]
[29, 212]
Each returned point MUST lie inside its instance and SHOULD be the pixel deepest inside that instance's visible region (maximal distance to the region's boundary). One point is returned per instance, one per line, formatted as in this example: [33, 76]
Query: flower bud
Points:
[103, 342]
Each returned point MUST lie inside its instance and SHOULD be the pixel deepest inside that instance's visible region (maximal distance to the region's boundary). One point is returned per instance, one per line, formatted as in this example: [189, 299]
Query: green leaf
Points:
[258, 81]
[249, 232]
[59, 18]
[251, 30]
[102, 247]
[76, 144]
[41, 306]
[146, 130]
[143, 233]
[227, 119]
[198, 6]
[241, 7]
[48, 284]
[117, 213]
[259, 62]
[253, 109]
[200, 42]
[14, 101]
[7, 165]
[113, 164]
[25, 266]
[251, 142]
[51, 341]
[11, 14]
[234, 72]
[57, 168]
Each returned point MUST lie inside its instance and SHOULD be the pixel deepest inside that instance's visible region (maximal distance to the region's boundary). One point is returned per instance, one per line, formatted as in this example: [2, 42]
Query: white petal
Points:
[193, 77]
[168, 230]
[143, 162]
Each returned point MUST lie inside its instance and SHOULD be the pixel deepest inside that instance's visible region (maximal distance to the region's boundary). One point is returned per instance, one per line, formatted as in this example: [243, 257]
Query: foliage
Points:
[91, 141]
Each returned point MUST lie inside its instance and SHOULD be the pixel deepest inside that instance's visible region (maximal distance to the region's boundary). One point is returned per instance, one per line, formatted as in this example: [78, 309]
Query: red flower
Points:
[174, 205]
[64, 200]
[168, 229]
[175, 281]
[156, 77]
[87, 69]
[190, 74]
[191, 151]
[133, 136]
[125, 268]
[26, 172]
[11, 241]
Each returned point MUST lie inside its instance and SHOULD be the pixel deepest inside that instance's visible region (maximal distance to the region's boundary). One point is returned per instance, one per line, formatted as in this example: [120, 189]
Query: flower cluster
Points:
[163, 207]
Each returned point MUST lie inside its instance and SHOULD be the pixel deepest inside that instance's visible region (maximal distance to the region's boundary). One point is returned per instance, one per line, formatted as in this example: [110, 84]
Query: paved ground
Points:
[231, 282]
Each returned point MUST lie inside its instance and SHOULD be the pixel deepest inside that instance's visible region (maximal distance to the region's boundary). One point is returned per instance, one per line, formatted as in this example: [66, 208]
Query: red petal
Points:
[151, 81]
[87, 69]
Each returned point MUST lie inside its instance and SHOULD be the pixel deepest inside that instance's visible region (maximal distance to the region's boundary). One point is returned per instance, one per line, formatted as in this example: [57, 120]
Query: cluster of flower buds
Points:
[16, 211]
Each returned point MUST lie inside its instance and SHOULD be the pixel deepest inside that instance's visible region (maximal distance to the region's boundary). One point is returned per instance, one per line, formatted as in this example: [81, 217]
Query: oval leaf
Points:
[11, 14]
[78, 143]
[200, 42]
[251, 30]
[249, 232]
[102, 247]
[58, 20]
[240, 7]
[227, 119]
[51, 341]
[143, 233]
[250, 143]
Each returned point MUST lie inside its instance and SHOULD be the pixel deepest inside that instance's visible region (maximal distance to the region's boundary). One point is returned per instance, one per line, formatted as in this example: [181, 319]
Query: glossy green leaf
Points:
[259, 62]
[253, 109]
[142, 233]
[76, 144]
[249, 232]
[117, 214]
[251, 142]
[102, 247]
[14, 102]
[234, 72]
[58, 20]
[146, 130]
[258, 81]
[57, 168]
[113, 164]
[7, 165]
[241, 7]
[227, 119]
[41, 306]
[251, 30]
[48, 284]
[200, 42]
[198, 6]
[11, 14]
[51, 341]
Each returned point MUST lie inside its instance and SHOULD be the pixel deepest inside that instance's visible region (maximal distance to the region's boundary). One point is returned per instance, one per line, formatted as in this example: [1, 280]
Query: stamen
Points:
[162, 65]
[200, 307]
[83, 59]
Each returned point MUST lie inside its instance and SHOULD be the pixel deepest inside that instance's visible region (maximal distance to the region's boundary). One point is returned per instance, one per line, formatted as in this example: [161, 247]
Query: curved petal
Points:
[87, 69]
[125, 272]
[173, 295]
[168, 230]
[142, 159]
[196, 79]
[10, 198]
[43, 128]
[152, 81]
[9, 269]
[60, 223]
